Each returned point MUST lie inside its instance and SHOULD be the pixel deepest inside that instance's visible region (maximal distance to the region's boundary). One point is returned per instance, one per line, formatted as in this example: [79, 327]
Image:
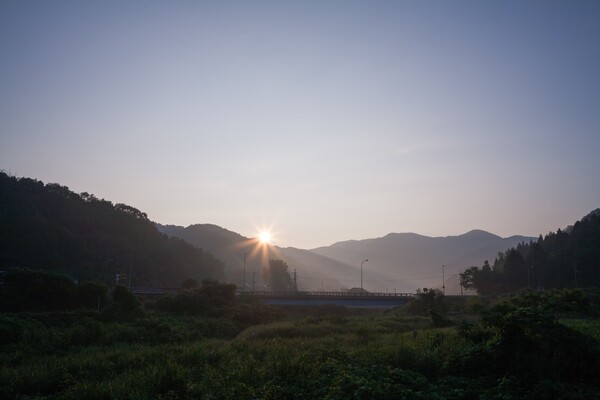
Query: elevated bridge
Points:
[298, 298]
[346, 299]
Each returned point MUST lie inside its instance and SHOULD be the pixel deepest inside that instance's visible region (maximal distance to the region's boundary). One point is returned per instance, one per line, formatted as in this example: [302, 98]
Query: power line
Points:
[376, 280]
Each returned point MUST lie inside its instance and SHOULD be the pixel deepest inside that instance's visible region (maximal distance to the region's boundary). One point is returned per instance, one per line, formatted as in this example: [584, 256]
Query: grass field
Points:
[382, 356]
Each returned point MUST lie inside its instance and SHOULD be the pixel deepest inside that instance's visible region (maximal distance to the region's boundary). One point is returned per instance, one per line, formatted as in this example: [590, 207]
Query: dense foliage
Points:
[277, 277]
[518, 350]
[559, 260]
[35, 291]
[50, 227]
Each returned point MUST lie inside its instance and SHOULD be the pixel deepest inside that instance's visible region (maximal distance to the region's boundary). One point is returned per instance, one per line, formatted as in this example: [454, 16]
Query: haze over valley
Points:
[397, 262]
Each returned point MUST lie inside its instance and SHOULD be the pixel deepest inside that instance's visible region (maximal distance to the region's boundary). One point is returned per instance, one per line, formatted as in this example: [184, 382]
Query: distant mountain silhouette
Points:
[314, 271]
[408, 261]
[398, 261]
[226, 245]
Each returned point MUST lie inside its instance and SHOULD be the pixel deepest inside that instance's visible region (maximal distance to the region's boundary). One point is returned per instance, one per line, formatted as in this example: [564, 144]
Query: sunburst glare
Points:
[264, 237]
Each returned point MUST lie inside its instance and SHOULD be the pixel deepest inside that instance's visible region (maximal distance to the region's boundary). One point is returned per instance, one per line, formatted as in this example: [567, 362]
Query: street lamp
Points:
[361, 280]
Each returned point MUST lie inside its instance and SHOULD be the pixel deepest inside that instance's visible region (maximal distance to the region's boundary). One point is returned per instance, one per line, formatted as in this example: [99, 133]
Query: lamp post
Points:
[244, 286]
[361, 280]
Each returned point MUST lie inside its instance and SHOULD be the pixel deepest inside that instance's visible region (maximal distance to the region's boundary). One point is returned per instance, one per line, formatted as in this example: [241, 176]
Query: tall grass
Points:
[327, 357]
[589, 327]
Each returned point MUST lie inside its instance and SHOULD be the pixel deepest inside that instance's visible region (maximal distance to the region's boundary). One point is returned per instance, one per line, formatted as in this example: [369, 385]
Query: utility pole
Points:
[295, 283]
[244, 285]
[361, 275]
[253, 281]
[443, 279]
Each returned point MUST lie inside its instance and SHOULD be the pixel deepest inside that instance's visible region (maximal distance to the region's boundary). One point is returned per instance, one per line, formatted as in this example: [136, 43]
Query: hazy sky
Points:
[326, 120]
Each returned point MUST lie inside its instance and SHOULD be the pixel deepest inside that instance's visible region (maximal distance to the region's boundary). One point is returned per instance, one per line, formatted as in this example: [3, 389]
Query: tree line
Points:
[50, 227]
[561, 259]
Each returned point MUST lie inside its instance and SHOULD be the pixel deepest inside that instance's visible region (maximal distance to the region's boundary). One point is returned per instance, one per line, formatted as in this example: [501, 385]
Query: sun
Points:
[264, 237]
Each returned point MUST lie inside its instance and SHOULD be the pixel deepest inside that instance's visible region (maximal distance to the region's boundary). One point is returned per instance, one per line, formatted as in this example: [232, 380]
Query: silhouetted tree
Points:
[428, 302]
[277, 277]
[483, 280]
[515, 271]
[559, 260]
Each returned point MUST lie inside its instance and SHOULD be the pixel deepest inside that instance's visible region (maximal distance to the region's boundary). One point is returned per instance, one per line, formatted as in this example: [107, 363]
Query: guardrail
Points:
[322, 294]
[266, 293]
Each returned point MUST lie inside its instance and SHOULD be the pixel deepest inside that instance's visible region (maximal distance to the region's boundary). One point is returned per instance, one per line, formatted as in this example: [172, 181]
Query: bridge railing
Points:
[322, 294]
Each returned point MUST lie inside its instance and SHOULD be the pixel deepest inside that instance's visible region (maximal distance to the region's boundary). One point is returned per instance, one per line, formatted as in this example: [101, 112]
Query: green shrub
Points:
[87, 332]
[211, 299]
[531, 345]
[35, 290]
[125, 306]
[565, 302]
[427, 300]
[92, 295]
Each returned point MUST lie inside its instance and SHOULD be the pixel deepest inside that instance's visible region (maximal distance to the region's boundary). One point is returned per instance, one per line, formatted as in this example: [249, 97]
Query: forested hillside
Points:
[50, 227]
[569, 258]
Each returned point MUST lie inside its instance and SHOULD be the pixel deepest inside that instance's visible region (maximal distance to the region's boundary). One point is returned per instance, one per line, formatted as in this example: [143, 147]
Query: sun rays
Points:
[264, 237]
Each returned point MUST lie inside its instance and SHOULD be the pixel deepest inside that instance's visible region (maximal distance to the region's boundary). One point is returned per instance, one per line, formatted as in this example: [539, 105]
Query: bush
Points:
[92, 295]
[125, 306]
[87, 332]
[426, 301]
[566, 302]
[529, 344]
[211, 299]
[35, 290]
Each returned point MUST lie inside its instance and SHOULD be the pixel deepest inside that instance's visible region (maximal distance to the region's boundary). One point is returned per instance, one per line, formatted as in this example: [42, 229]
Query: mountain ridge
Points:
[239, 252]
[397, 259]
[471, 233]
[406, 259]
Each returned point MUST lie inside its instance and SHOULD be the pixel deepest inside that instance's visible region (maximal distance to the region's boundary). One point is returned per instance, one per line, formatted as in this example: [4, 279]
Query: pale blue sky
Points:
[326, 120]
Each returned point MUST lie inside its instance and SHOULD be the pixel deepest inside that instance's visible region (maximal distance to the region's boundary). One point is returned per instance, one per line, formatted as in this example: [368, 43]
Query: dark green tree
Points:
[428, 302]
[515, 271]
[210, 299]
[35, 290]
[563, 259]
[92, 295]
[483, 280]
[277, 277]
[125, 306]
